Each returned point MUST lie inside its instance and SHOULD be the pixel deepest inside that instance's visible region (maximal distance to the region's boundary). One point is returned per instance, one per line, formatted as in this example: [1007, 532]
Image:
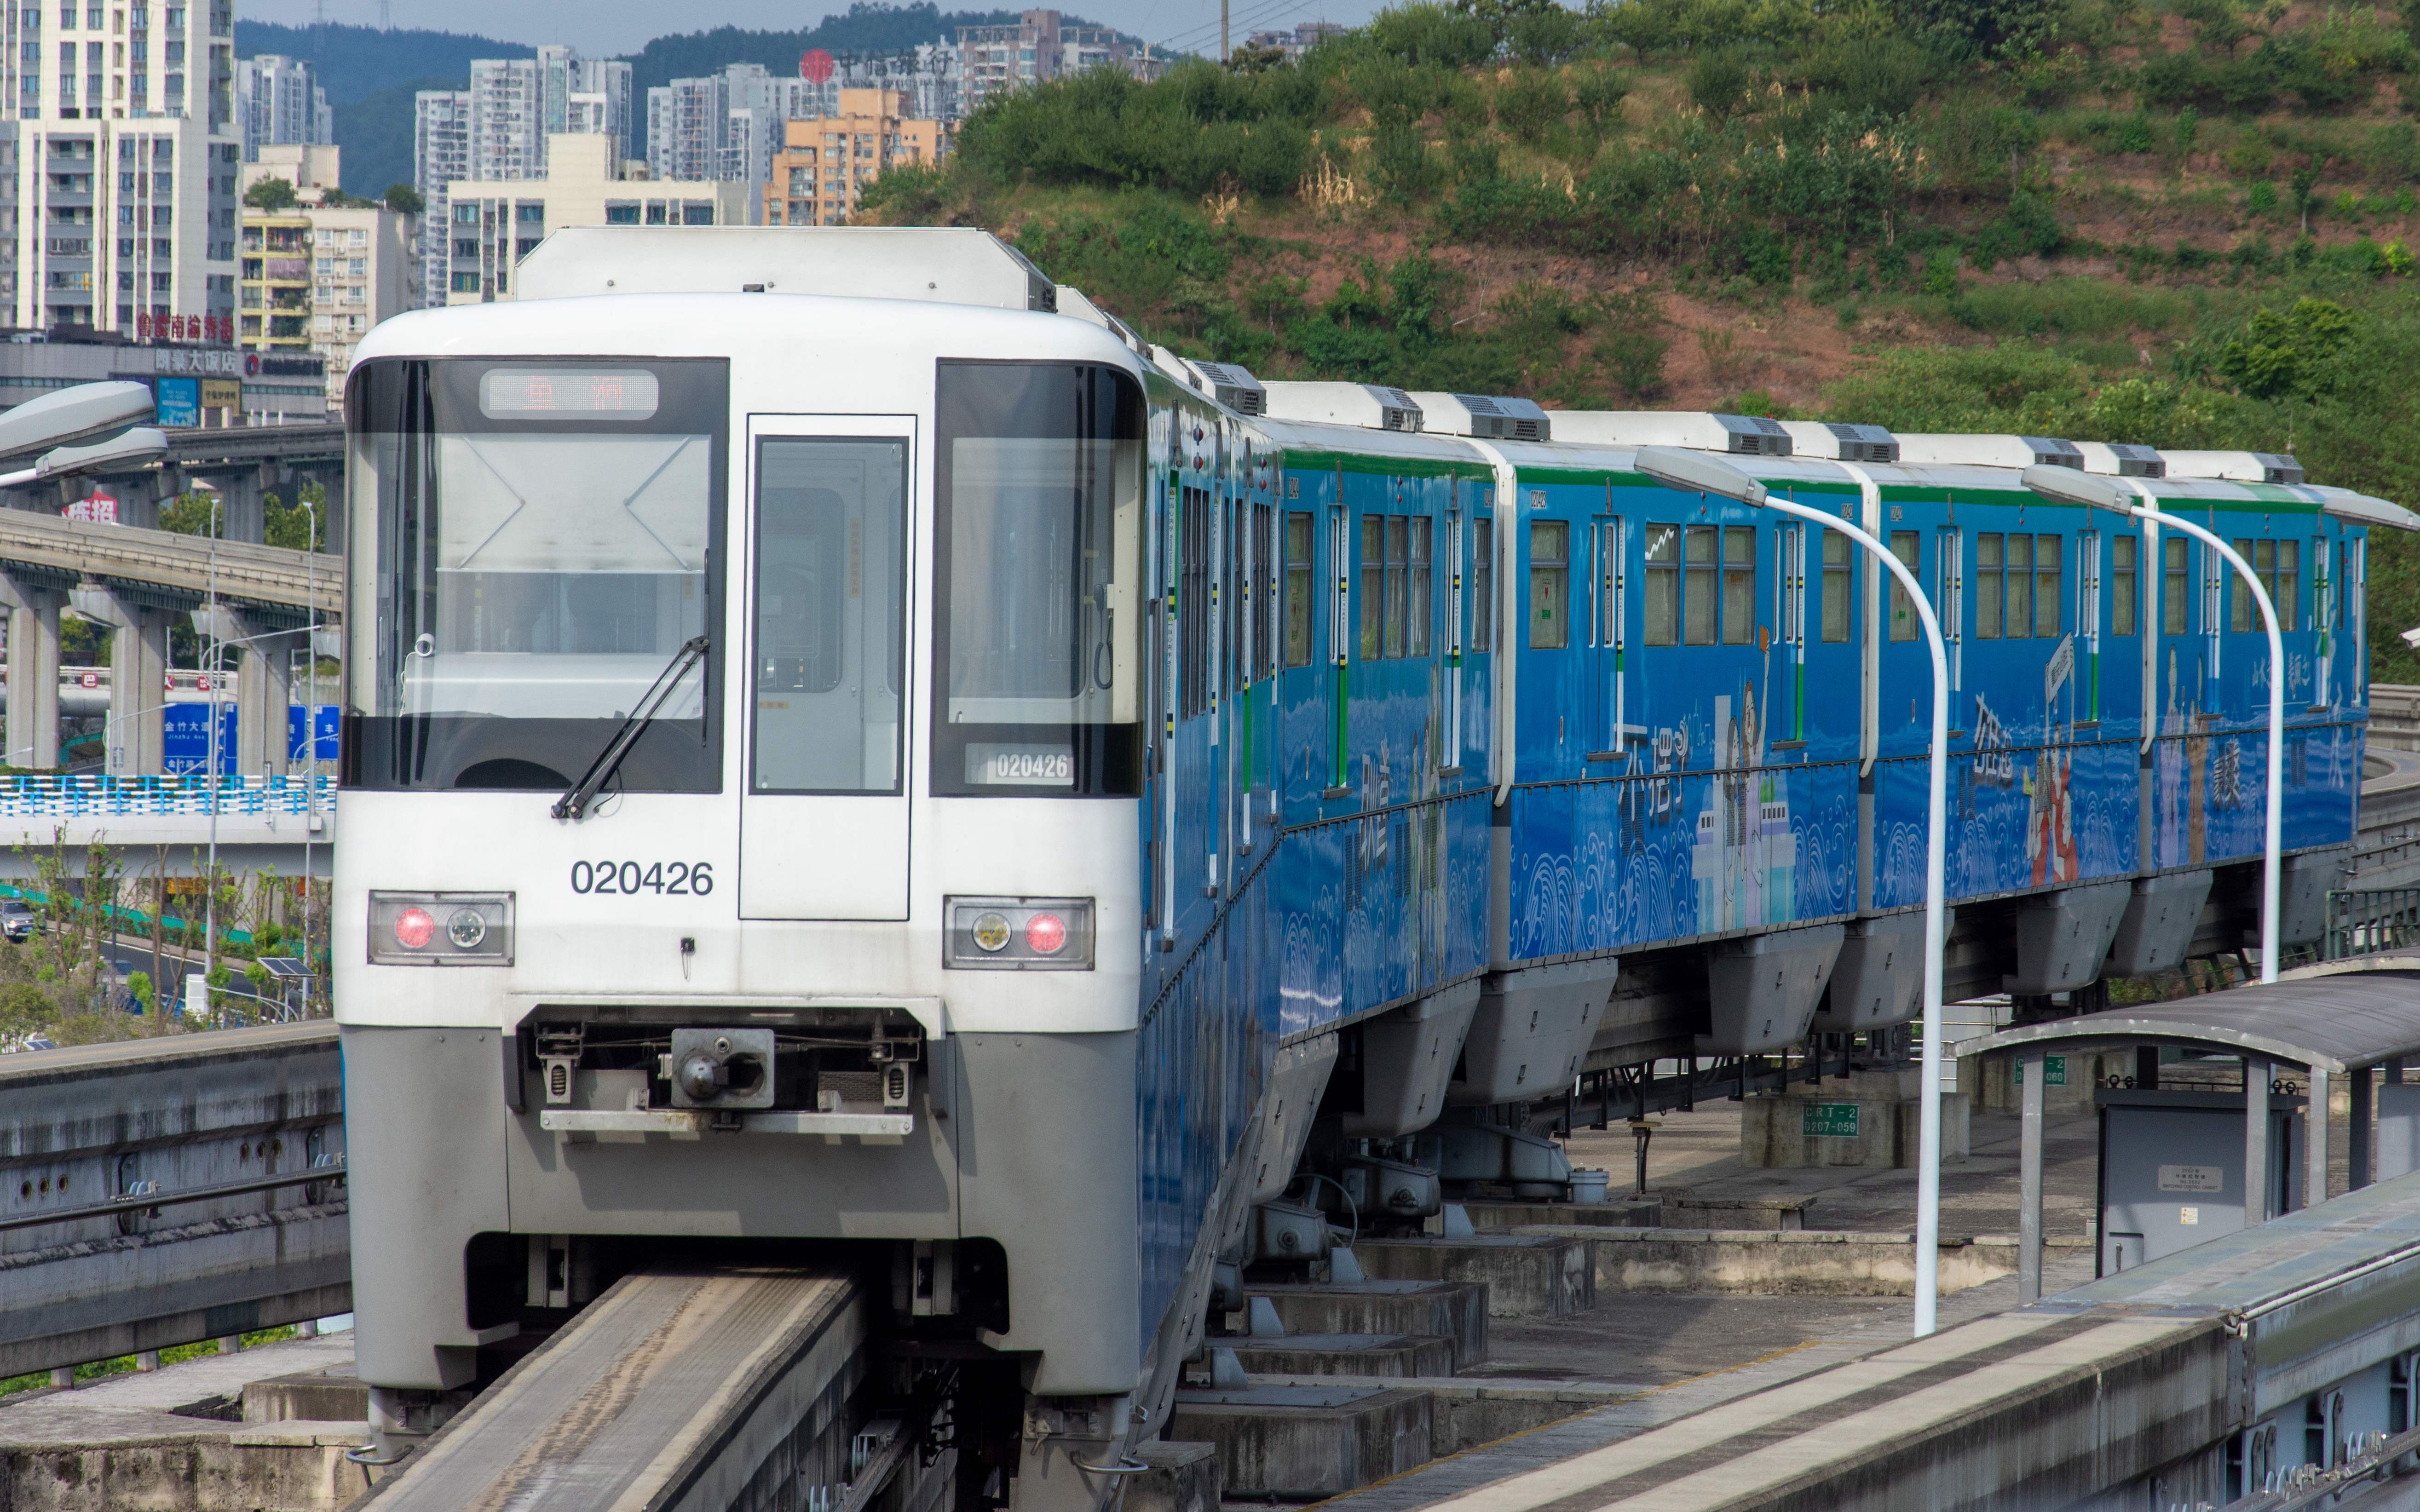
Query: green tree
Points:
[270, 195]
[404, 200]
[2284, 355]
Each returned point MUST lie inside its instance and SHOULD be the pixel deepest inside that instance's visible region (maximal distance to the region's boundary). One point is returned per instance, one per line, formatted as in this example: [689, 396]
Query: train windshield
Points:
[1038, 537]
[542, 537]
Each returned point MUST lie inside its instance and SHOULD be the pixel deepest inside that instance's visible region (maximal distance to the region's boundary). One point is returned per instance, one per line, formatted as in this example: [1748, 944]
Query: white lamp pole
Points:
[2068, 486]
[1702, 472]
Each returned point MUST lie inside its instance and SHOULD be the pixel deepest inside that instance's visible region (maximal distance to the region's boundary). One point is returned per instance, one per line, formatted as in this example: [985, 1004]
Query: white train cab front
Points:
[745, 727]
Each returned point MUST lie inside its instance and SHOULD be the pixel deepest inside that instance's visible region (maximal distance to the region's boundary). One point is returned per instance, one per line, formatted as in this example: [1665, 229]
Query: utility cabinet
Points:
[2172, 1169]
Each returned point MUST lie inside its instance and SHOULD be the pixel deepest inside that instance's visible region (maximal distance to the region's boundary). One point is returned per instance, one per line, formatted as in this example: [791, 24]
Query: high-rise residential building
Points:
[1037, 49]
[498, 129]
[493, 224]
[319, 274]
[277, 102]
[588, 97]
[826, 159]
[507, 119]
[118, 209]
[689, 121]
[440, 155]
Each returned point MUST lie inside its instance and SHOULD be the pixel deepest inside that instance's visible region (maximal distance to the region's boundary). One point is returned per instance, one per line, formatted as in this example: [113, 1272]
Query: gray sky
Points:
[604, 27]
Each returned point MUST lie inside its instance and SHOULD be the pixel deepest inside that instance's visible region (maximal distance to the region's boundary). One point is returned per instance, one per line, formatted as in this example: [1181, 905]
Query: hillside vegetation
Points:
[2188, 225]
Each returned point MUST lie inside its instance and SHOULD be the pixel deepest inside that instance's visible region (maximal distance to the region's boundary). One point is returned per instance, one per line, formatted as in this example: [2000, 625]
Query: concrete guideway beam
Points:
[219, 1108]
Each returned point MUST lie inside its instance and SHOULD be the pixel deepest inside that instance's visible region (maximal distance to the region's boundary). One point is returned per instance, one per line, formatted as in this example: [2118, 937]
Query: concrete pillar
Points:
[32, 732]
[2364, 1150]
[147, 1360]
[63, 1378]
[2315, 1140]
[138, 678]
[231, 1344]
[264, 687]
[2256, 1141]
[2029, 1180]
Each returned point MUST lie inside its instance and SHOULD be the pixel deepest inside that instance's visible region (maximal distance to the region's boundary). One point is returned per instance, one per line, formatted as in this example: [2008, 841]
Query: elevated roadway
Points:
[265, 599]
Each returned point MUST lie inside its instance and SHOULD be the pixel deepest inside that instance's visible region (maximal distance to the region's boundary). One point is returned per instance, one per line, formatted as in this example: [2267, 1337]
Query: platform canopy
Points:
[2335, 1016]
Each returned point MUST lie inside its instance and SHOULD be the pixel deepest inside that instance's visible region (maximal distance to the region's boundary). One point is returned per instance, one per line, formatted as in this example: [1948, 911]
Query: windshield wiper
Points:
[575, 800]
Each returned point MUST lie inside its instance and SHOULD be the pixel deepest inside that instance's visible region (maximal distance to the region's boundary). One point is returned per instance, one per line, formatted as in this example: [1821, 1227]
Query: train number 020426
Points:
[687, 879]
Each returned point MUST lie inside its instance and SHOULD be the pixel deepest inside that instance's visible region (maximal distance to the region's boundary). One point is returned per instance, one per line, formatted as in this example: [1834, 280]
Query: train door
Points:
[828, 554]
[1608, 595]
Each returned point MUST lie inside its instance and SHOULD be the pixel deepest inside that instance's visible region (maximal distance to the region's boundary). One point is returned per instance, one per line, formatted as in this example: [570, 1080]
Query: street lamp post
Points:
[1702, 472]
[2067, 485]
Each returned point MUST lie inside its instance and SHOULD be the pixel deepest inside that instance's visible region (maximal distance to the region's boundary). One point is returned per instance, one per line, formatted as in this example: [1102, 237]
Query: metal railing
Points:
[94, 796]
[2374, 918]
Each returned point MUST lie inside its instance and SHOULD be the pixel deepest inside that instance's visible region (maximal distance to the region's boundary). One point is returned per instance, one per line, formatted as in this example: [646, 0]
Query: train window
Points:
[1038, 533]
[1739, 585]
[2050, 599]
[1297, 589]
[2278, 565]
[1988, 584]
[1837, 589]
[2019, 592]
[1699, 545]
[1423, 589]
[1398, 534]
[2172, 587]
[1374, 587]
[1905, 546]
[2122, 583]
[830, 614]
[1663, 597]
[1482, 585]
[1550, 574]
[536, 571]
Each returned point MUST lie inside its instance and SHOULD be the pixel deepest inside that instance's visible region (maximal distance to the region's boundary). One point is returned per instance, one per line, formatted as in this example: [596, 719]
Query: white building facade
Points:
[119, 153]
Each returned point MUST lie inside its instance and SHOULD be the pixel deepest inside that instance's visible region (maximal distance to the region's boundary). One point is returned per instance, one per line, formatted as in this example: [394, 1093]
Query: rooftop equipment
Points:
[1372, 406]
[1990, 451]
[1739, 435]
[1840, 443]
[946, 265]
[2122, 459]
[2235, 467]
[1230, 385]
[1485, 417]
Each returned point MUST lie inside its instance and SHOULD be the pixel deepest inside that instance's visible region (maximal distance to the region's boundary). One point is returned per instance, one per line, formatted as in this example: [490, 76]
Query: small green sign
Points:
[2053, 1072]
[1828, 1120]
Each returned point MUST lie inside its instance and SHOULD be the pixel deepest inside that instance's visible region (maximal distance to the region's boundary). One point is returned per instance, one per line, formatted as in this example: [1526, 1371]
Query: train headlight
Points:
[477, 929]
[414, 929]
[1018, 935]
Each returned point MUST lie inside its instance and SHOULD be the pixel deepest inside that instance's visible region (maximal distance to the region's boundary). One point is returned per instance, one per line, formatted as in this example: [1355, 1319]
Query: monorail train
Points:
[846, 743]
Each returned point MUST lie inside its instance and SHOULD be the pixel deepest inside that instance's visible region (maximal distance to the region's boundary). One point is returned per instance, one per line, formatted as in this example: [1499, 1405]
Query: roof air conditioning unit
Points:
[2235, 467]
[1074, 303]
[933, 265]
[1370, 406]
[1231, 386]
[2122, 459]
[1740, 434]
[1841, 444]
[1990, 451]
[1487, 417]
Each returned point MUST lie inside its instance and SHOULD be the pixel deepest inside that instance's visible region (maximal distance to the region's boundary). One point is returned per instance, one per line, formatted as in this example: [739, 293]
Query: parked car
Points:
[18, 920]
